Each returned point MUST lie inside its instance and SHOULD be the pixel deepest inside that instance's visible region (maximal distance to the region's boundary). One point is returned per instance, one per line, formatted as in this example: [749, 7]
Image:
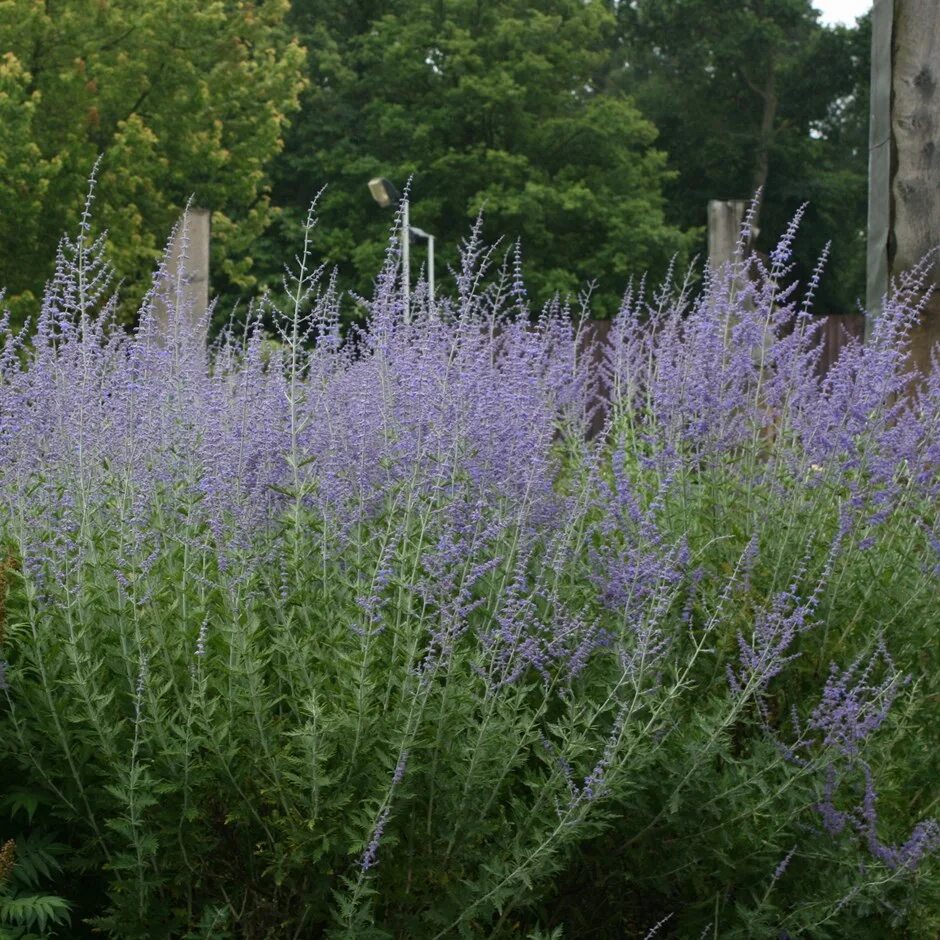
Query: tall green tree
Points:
[757, 95]
[490, 104]
[180, 97]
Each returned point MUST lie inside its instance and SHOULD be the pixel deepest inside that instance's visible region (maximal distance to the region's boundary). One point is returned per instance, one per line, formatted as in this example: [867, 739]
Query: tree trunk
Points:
[764, 142]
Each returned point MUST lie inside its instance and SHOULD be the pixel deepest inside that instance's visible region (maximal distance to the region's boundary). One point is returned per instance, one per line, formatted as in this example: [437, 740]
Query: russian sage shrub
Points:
[359, 635]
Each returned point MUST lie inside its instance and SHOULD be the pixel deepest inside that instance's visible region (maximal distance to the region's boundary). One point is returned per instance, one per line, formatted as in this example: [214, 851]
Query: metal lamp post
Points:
[386, 194]
[421, 233]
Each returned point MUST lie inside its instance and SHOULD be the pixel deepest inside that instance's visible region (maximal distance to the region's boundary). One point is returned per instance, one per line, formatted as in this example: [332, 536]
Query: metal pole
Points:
[406, 261]
[431, 271]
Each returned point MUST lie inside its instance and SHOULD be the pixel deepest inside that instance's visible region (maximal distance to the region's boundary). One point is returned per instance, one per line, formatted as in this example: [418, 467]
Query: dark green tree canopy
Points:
[493, 104]
[553, 116]
[757, 94]
[180, 98]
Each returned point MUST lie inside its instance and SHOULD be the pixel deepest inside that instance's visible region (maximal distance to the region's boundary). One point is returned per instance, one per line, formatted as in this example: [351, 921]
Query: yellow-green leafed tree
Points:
[180, 98]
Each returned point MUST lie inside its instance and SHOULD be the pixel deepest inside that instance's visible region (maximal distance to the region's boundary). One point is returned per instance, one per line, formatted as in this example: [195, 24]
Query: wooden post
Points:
[195, 228]
[879, 155]
[904, 164]
[725, 217]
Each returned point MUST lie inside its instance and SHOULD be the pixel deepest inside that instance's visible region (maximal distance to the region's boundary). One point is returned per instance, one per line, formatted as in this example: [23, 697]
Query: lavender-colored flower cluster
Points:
[923, 841]
[853, 706]
[417, 500]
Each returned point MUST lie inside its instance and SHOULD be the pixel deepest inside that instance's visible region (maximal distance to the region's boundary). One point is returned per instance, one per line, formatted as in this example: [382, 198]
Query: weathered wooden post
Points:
[195, 229]
[904, 163]
[725, 217]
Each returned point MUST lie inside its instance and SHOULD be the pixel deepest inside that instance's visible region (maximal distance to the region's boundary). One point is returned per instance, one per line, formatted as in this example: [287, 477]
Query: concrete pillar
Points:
[904, 179]
[725, 217]
[189, 249]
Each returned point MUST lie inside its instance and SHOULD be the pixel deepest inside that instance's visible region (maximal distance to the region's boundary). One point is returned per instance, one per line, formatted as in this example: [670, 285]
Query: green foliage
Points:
[28, 863]
[495, 104]
[556, 116]
[180, 99]
[880, 588]
[309, 728]
[239, 790]
[749, 95]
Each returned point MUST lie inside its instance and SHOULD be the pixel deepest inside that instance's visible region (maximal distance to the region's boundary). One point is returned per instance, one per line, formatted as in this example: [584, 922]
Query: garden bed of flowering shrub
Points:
[359, 636]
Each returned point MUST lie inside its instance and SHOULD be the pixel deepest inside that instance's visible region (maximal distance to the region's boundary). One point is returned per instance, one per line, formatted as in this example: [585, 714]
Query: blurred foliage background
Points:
[180, 98]
[593, 131]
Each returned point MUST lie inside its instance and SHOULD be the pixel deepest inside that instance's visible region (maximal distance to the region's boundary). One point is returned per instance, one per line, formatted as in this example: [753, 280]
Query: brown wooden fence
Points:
[836, 332]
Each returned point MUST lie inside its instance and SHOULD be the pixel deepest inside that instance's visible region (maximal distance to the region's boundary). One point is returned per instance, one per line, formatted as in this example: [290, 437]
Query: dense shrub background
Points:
[359, 636]
[595, 131]
[179, 96]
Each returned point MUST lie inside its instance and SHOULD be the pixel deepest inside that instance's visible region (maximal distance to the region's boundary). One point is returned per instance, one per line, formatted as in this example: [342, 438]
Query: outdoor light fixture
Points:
[386, 194]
